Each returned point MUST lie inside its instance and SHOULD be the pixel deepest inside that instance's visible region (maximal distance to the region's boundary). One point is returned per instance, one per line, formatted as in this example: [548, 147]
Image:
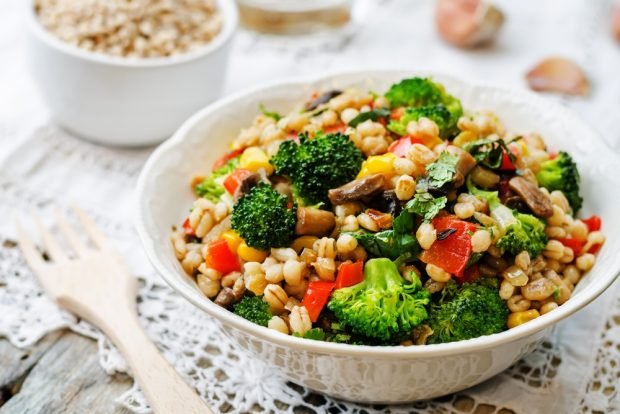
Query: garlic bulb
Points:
[560, 75]
[467, 23]
[616, 22]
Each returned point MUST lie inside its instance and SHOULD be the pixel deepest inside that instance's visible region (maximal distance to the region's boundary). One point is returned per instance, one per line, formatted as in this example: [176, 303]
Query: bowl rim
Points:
[230, 18]
[381, 352]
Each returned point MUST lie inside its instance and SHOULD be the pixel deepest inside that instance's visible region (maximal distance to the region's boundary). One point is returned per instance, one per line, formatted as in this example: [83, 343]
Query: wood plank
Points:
[68, 379]
[16, 363]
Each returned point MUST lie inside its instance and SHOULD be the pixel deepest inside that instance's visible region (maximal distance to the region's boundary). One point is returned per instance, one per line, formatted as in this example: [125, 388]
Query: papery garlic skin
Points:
[558, 74]
[616, 22]
[468, 23]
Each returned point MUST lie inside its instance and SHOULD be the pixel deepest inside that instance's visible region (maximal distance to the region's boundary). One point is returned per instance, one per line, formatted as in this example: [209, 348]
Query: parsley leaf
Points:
[270, 114]
[373, 115]
[426, 206]
[439, 173]
[489, 152]
[442, 171]
[387, 243]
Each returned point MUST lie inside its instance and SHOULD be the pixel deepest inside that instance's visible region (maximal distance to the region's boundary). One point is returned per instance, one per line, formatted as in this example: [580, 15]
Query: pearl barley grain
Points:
[136, 29]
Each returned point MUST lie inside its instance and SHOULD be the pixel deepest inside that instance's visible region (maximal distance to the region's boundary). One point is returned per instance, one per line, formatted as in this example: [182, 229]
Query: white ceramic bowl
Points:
[121, 101]
[364, 373]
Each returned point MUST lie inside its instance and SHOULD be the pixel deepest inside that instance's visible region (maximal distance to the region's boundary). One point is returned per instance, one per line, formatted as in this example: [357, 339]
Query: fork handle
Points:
[163, 387]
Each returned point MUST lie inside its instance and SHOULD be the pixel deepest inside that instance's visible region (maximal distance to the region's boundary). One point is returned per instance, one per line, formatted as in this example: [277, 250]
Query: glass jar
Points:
[294, 17]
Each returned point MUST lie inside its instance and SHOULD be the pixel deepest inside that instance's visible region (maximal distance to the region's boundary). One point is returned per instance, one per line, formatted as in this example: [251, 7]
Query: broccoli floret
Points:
[561, 173]
[415, 92]
[263, 218]
[384, 306]
[436, 113]
[521, 231]
[467, 311]
[211, 187]
[318, 164]
[316, 334]
[254, 309]
[423, 92]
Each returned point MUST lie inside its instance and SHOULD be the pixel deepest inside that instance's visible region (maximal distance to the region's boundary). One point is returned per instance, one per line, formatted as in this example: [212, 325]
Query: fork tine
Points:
[93, 231]
[52, 247]
[67, 229]
[30, 252]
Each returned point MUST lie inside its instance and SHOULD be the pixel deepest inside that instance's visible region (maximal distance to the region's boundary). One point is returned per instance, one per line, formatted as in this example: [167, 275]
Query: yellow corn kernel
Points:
[380, 164]
[463, 138]
[303, 242]
[232, 239]
[254, 158]
[431, 142]
[524, 150]
[363, 172]
[235, 146]
[518, 318]
[250, 254]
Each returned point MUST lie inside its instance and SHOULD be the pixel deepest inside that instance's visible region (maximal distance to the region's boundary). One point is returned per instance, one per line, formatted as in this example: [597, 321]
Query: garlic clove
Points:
[467, 23]
[560, 75]
[616, 22]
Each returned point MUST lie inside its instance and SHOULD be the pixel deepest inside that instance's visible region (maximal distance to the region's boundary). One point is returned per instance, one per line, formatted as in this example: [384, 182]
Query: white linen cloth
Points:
[575, 370]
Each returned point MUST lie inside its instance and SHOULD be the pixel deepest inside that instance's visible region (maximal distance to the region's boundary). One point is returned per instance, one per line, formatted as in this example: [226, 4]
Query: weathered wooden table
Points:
[59, 374]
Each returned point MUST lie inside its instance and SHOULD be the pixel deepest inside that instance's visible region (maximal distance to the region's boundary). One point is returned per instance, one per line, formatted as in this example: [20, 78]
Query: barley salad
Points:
[388, 219]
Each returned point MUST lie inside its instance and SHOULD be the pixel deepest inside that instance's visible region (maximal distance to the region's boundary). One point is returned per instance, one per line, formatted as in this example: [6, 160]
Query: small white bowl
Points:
[122, 101]
[365, 373]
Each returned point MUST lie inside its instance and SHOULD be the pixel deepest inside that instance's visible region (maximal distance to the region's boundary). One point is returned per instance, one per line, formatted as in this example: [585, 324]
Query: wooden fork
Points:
[95, 285]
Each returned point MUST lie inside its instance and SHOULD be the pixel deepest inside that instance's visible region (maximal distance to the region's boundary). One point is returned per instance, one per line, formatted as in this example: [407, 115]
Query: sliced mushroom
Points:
[515, 202]
[321, 99]
[314, 222]
[387, 202]
[225, 298]
[246, 185]
[536, 200]
[560, 75]
[362, 188]
[467, 23]
[465, 164]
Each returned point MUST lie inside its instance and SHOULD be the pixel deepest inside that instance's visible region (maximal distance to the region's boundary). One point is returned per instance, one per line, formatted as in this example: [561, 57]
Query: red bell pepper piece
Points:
[220, 162]
[221, 258]
[401, 147]
[451, 253]
[232, 182]
[574, 244]
[188, 230]
[316, 298]
[595, 248]
[594, 223]
[350, 274]
[507, 164]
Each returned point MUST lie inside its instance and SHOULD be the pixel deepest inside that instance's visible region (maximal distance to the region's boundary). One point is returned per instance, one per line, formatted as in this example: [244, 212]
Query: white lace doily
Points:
[575, 370]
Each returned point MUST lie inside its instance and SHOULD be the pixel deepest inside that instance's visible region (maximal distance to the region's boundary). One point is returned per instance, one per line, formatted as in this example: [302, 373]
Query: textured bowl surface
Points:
[363, 373]
[122, 101]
